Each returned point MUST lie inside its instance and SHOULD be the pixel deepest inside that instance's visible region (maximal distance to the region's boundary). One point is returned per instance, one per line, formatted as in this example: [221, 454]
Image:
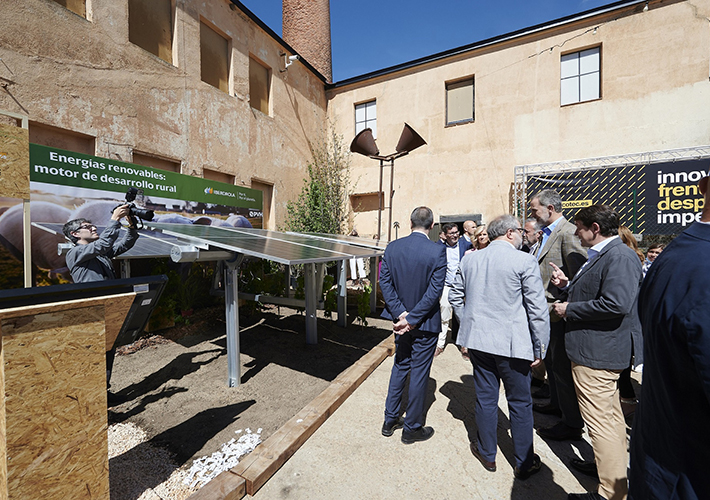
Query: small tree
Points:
[322, 206]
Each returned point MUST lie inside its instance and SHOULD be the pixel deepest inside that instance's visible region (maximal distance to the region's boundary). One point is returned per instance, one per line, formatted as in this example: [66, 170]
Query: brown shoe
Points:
[489, 466]
[534, 469]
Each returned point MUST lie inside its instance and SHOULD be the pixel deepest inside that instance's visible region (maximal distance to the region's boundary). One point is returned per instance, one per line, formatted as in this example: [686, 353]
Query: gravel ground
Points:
[180, 409]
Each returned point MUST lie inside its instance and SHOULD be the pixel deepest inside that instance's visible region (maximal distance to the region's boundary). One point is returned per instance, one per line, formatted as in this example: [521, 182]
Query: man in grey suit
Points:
[601, 314]
[498, 297]
[561, 247]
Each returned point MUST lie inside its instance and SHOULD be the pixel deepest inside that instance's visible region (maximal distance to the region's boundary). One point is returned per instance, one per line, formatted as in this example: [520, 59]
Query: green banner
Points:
[56, 166]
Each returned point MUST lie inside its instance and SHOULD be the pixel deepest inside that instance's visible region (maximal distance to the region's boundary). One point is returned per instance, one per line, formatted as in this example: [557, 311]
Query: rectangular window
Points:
[267, 191]
[215, 175]
[214, 58]
[60, 138]
[259, 86]
[152, 161]
[580, 74]
[366, 117]
[366, 202]
[150, 26]
[76, 6]
[459, 101]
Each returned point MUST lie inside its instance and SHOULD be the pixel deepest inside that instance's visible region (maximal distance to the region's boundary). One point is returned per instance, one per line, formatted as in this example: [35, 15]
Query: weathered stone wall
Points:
[85, 76]
[655, 95]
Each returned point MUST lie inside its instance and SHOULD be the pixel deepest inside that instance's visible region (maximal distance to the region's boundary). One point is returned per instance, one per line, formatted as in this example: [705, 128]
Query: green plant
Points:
[363, 304]
[322, 207]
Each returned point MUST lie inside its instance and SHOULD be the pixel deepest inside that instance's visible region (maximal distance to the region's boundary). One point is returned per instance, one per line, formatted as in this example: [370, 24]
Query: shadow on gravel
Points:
[130, 478]
[282, 341]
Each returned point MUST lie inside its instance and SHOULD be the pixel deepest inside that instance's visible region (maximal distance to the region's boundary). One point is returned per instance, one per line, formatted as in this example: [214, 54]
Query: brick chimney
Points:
[306, 28]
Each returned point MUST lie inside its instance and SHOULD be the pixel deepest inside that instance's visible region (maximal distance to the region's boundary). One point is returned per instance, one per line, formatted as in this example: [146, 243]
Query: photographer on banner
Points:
[90, 258]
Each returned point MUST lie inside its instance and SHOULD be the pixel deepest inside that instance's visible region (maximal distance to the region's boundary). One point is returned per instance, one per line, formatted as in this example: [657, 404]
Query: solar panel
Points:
[149, 244]
[351, 240]
[286, 248]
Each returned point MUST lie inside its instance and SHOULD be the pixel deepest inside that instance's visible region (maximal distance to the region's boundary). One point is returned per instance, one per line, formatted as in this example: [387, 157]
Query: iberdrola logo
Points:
[209, 190]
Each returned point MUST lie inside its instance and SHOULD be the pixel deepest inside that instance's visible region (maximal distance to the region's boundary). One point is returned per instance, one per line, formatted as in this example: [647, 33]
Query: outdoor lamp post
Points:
[364, 144]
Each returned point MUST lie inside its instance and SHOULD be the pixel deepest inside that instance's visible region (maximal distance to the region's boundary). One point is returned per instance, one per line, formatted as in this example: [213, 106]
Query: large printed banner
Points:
[658, 198]
[66, 185]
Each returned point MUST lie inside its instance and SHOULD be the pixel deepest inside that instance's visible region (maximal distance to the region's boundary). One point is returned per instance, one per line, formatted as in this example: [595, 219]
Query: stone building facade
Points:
[191, 86]
[641, 72]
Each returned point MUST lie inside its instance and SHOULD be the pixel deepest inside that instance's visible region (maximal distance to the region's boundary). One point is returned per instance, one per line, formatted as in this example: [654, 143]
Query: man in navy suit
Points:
[411, 280]
[456, 247]
[670, 445]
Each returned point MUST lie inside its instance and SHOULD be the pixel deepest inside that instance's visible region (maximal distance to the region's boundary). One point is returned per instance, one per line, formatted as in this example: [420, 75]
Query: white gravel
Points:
[140, 471]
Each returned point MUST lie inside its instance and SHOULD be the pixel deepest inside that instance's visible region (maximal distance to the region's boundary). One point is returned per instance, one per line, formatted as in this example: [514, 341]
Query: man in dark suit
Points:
[411, 280]
[670, 445]
[558, 245]
[456, 247]
[600, 312]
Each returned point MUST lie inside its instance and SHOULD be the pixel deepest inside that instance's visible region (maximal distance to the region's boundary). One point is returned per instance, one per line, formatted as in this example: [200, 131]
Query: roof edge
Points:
[484, 43]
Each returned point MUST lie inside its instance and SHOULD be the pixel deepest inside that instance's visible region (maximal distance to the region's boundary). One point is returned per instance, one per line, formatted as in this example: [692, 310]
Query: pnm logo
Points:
[209, 190]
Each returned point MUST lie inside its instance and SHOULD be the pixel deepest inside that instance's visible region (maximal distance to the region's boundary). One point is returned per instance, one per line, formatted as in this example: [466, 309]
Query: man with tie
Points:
[600, 313]
[456, 247]
[560, 246]
[412, 279]
[532, 233]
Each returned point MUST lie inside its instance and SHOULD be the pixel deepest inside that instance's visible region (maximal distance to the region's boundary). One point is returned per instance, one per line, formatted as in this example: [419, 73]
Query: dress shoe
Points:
[534, 469]
[542, 393]
[592, 495]
[588, 468]
[421, 434]
[560, 432]
[489, 466]
[547, 409]
[388, 428]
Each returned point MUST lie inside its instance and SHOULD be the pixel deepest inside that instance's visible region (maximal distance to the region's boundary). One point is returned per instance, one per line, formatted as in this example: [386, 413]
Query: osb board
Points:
[55, 402]
[14, 162]
[269, 456]
[117, 308]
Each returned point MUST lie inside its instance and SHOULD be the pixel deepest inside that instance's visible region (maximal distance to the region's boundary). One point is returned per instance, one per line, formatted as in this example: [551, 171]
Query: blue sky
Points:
[368, 35]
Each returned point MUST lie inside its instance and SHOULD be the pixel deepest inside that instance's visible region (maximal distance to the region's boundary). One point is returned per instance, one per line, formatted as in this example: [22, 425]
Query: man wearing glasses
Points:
[90, 258]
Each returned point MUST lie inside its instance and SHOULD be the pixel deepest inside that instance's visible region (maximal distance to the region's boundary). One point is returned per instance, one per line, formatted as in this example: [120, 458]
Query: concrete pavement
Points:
[348, 458]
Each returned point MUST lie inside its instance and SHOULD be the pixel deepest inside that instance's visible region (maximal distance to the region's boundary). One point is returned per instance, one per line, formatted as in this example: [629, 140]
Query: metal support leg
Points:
[342, 293]
[231, 306]
[288, 281]
[320, 273]
[374, 264]
[311, 304]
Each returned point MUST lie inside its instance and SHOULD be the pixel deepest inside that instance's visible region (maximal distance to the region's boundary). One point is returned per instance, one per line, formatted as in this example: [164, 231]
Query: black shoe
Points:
[421, 434]
[560, 432]
[388, 428]
[542, 393]
[489, 466]
[534, 469]
[591, 495]
[547, 409]
[588, 468]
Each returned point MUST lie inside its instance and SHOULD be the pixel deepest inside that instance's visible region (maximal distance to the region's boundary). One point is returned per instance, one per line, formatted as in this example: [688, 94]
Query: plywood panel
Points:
[14, 162]
[55, 404]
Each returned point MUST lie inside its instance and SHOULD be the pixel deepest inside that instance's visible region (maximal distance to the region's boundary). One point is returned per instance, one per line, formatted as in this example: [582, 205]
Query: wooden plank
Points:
[226, 486]
[55, 404]
[269, 456]
[14, 162]
[16, 312]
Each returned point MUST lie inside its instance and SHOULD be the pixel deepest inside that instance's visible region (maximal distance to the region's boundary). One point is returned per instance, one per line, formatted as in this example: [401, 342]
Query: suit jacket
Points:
[670, 444]
[463, 244]
[564, 249]
[412, 279]
[499, 300]
[601, 314]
